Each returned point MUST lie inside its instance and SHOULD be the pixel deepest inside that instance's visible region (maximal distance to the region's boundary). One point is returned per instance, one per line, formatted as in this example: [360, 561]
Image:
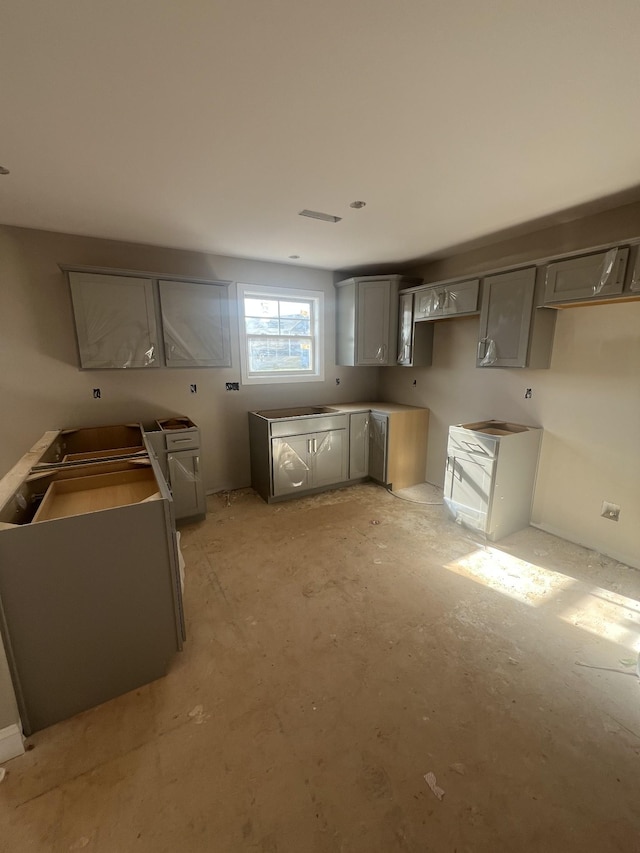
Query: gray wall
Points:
[588, 401]
[42, 387]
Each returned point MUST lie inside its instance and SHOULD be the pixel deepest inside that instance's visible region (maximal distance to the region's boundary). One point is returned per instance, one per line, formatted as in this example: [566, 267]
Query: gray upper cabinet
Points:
[447, 300]
[634, 284]
[195, 324]
[594, 276]
[366, 320]
[115, 320]
[512, 332]
[415, 340]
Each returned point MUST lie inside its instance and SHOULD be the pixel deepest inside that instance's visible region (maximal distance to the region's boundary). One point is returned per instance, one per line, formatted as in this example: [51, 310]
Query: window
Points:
[280, 334]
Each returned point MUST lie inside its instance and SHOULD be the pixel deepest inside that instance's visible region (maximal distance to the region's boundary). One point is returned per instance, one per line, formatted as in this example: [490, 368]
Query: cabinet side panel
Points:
[88, 602]
[346, 324]
[515, 476]
[407, 449]
[260, 449]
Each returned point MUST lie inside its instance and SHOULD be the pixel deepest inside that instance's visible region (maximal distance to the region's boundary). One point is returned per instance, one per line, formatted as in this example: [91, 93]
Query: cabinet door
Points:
[290, 460]
[373, 322]
[115, 320]
[329, 457]
[405, 329]
[448, 300]
[186, 484]
[378, 427]
[586, 277]
[358, 445]
[195, 324]
[467, 489]
[505, 319]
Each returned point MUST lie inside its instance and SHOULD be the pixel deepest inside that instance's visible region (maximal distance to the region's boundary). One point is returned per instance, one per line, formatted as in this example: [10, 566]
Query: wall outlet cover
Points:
[232, 386]
[610, 511]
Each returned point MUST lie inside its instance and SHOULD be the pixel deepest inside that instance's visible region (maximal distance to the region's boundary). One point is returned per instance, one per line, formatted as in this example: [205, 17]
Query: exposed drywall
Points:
[42, 387]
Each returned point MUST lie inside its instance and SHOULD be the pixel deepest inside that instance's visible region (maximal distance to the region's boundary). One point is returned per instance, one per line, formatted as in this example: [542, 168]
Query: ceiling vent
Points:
[314, 214]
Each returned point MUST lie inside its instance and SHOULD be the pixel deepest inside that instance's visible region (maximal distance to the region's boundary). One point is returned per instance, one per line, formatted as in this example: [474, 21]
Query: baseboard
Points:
[11, 743]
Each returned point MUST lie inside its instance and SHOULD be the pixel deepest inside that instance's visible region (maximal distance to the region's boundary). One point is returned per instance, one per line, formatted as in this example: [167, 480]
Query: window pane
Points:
[301, 326]
[279, 354]
[260, 307]
[295, 309]
[259, 326]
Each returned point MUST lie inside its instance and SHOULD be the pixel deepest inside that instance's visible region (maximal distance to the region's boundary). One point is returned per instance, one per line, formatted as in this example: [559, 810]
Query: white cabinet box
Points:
[490, 475]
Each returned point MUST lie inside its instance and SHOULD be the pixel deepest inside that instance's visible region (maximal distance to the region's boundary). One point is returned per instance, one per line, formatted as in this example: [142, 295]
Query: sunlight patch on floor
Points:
[518, 579]
[599, 611]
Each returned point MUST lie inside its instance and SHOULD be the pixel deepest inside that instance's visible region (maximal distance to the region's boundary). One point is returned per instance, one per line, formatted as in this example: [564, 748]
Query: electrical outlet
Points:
[610, 511]
[232, 386]
[528, 394]
[96, 394]
[193, 388]
[337, 381]
[415, 383]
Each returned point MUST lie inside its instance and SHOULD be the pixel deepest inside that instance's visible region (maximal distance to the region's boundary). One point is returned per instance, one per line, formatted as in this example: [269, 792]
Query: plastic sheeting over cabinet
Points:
[129, 321]
[115, 320]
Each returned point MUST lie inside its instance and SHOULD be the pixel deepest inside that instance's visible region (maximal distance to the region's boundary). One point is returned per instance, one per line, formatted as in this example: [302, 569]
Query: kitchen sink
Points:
[296, 412]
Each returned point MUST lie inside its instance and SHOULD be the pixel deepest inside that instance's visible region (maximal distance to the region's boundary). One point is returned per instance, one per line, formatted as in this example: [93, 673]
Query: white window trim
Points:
[277, 292]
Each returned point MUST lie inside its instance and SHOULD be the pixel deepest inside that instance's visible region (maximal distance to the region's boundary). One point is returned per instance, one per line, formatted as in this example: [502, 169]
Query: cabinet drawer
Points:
[468, 443]
[183, 440]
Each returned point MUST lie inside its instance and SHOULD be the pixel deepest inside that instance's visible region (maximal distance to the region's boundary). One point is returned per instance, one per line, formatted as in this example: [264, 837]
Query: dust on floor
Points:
[350, 656]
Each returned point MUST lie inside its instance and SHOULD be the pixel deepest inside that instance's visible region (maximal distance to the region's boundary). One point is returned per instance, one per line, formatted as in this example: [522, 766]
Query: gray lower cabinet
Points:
[447, 300]
[358, 445]
[90, 595]
[586, 277]
[115, 321]
[514, 333]
[490, 475]
[308, 461]
[297, 454]
[176, 443]
[187, 489]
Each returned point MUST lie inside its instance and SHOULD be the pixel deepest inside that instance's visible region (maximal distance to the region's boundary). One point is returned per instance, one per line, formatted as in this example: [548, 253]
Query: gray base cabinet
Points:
[297, 455]
[308, 461]
[176, 443]
[490, 475]
[90, 595]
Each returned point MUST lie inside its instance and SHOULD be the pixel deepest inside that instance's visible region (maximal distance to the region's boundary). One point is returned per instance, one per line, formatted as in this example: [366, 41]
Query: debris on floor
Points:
[430, 779]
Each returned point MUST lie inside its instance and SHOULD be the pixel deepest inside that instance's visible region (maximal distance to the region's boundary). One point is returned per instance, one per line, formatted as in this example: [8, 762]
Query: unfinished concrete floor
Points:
[340, 648]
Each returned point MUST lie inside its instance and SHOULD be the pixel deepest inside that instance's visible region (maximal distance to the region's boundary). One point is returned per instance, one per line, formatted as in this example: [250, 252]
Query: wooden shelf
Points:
[80, 495]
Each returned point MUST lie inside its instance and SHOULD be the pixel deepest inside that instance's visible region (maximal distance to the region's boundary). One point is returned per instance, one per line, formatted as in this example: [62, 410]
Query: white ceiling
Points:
[209, 124]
